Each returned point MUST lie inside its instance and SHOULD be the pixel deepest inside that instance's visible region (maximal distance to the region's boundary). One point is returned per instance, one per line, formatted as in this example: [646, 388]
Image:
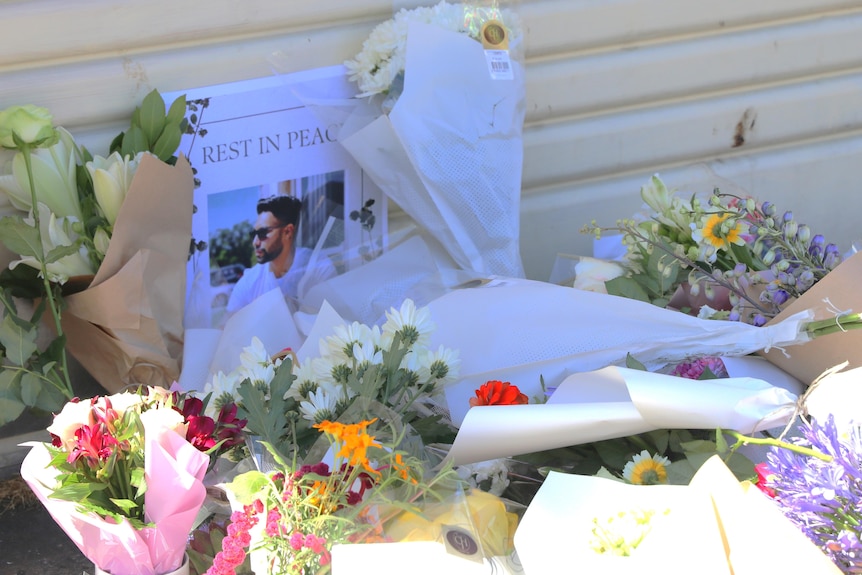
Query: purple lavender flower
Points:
[823, 498]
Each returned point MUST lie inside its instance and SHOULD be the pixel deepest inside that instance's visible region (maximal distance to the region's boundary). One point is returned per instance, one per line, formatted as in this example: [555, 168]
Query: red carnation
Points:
[498, 393]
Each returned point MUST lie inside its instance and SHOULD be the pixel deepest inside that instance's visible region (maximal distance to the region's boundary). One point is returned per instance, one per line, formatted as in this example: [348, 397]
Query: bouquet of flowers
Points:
[438, 126]
[722, 242]
[124, 474]
[362, 372]
[753, 266]
[109, 236]
[289, 518]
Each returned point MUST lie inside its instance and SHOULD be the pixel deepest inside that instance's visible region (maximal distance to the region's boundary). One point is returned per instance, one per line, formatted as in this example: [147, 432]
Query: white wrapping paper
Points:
[619, 402]
[450, 153]
[521, 330]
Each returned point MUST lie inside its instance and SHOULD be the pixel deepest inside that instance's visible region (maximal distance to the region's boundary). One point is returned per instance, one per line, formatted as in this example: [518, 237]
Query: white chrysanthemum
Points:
[339, 346]
[382, 57]
[256, 364]
[413, 323]
[489, 476]
[305, 382]
[367, 354]
[443, 364]
[222, 385]
[319, 406]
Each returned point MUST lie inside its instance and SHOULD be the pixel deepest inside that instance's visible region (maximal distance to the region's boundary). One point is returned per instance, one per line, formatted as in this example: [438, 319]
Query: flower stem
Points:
[841, 322]
[53, 305]
[743, 439]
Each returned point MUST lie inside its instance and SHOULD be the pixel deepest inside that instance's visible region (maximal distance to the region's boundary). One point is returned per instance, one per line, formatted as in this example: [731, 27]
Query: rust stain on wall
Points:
[744, 126]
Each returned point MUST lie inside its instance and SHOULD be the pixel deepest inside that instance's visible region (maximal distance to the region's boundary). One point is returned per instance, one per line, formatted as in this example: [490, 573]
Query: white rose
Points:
[591, 274]
[160, 420]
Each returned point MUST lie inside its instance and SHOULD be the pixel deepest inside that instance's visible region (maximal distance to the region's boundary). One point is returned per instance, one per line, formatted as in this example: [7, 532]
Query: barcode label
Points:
[499, 64]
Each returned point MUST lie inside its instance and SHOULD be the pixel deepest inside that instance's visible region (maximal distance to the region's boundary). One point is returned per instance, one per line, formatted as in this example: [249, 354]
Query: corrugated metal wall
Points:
[764, 95]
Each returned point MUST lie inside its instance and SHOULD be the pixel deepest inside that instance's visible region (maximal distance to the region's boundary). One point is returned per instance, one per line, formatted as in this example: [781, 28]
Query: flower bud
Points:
[769, 257]
[112, 177]
[750, 205]
[803, 234]
[27, 124]
[101, 240]
[768, 209]
[788, 216]
[790, 229]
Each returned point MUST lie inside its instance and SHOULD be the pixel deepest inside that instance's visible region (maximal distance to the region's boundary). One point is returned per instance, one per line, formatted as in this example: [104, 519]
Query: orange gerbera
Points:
[498, 393]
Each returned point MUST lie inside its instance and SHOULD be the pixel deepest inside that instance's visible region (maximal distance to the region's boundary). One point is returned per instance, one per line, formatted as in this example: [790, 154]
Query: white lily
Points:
[54, 175]
[58, 232]
[112, 177]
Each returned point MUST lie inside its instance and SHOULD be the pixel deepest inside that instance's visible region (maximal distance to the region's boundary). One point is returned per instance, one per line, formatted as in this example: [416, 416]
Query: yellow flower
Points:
[644, 469]
[714, 233]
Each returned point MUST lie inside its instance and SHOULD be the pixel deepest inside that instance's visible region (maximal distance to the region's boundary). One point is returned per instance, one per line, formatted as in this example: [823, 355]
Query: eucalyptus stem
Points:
[66, 387]
[743, 439]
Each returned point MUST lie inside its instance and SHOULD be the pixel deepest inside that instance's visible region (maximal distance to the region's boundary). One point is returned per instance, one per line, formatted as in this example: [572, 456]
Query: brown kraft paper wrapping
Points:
[127, 326]
[838, 292]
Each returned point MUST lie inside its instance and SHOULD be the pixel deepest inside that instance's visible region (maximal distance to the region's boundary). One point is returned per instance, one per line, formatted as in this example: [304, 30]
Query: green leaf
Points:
[19, 342]
[133, 142]
[247, 486]
[168, 142]
[31, 385]
[632, 363]
[626, 287]
[151, 117]
[117, 143]
[20, 238]
[720, 441]
[127, 505]
[76, 491]
[177, 112]
[59, 252]
[10, 410]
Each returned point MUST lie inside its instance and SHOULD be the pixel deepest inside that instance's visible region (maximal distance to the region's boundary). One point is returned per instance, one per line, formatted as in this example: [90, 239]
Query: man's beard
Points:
[266, 256]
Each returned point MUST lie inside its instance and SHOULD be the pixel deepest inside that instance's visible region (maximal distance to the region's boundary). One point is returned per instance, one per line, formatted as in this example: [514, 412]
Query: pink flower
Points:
[297, 540]
[93, 444]
[695, 369]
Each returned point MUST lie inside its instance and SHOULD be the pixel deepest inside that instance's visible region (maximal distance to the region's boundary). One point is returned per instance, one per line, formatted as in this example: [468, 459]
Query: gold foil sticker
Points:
[494, 36]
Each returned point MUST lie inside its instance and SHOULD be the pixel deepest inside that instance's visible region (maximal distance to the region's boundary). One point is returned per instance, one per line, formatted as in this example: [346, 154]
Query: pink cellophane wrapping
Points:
[175, 492]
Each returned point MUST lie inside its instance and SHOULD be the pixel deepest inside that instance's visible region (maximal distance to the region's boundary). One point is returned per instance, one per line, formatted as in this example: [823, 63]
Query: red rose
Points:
[498, 393]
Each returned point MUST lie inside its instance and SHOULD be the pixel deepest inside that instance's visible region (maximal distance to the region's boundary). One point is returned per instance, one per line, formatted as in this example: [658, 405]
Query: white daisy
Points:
[319, 406]
[256, 364]
[305, 382]
[414, 324]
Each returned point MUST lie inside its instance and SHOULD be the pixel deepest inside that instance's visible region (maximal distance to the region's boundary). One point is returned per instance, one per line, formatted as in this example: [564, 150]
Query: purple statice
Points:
[823, 498]
[696, 368]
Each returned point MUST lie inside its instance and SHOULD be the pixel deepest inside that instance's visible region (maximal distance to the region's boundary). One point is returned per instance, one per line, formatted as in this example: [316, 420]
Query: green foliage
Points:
[153, 129]
[656, 282]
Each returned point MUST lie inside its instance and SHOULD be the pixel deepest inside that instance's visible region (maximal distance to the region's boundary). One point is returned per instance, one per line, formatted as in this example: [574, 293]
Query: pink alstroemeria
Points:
[93, 443]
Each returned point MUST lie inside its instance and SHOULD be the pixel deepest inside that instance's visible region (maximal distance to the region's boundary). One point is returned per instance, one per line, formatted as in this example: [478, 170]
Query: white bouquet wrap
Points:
[450, 152]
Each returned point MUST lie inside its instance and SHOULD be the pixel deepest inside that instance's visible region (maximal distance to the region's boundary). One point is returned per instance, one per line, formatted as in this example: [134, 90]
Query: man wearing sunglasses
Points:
[280, 263]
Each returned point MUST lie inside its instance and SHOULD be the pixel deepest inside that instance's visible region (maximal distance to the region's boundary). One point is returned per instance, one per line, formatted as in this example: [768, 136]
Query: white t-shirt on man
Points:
[259, 279]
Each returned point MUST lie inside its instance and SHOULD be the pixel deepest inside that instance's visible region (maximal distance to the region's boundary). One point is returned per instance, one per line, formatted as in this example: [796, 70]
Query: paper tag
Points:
[499, 64]
[461, 542]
